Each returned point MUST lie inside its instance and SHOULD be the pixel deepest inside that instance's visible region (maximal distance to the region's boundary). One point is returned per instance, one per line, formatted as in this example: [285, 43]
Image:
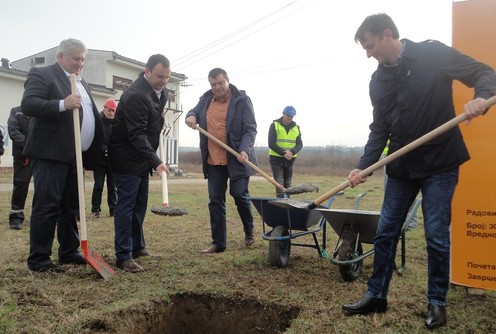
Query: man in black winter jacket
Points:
[18, 125]
[412, 93]
[132, 152]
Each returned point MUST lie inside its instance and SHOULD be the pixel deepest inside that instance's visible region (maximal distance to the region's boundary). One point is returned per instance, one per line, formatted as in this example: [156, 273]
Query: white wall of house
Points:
[11, 90]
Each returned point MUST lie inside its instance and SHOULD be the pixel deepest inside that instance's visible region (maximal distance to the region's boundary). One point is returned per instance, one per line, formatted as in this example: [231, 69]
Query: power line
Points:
[201, 51]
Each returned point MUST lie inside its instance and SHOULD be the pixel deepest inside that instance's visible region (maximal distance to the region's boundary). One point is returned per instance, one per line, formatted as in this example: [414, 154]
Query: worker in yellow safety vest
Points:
[284, 144]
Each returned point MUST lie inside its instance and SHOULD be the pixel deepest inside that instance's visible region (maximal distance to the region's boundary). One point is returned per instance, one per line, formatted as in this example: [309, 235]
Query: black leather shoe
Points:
[366, 305]
[436, 316]
[49, 268]
[76, 258]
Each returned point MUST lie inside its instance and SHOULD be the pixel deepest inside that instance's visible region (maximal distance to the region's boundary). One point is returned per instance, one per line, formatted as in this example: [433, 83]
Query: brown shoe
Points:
[213, 249]
[249, 240]
[129, 265]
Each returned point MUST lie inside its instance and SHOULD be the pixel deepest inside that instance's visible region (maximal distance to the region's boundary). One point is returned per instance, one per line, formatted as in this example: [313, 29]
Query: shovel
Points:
[92, 258]
[292, 190]
[165, 210]
[305, 205]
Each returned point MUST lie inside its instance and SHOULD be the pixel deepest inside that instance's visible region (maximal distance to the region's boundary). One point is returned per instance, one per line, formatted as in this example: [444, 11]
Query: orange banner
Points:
[473, 229]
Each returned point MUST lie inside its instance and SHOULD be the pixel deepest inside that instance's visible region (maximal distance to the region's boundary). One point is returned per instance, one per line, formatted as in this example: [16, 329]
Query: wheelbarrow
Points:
[354, 228]
[287, 225]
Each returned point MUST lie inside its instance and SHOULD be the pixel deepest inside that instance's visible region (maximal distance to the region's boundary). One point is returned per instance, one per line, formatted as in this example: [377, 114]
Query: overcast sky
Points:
[281, 52]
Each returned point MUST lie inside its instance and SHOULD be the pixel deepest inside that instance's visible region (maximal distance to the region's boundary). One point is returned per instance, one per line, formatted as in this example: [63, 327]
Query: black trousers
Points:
[99, 174]
[21, 180]
[55, 208]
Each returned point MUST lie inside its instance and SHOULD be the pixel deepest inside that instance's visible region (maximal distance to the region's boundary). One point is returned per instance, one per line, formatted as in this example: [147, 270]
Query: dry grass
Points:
[79, 301]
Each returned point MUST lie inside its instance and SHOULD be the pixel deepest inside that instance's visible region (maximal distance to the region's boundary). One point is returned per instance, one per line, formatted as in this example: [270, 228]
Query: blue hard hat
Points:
[290, 111]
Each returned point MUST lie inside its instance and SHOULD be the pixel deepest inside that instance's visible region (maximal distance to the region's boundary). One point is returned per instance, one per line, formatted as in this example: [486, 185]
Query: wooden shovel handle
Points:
[165, 190]
[79, 162]
[402, 151]
[237, 155]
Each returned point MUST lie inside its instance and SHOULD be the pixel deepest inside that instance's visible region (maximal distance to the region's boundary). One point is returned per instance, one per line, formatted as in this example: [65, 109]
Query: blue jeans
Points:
[129, 214]
[238, 189]
[437, 194]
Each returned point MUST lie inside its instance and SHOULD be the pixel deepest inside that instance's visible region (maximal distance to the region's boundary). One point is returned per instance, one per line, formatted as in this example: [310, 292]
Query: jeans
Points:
[283, 174]
[238, 189]
[55, 206]
[96, 198]
[129, 215]
[22, 177]
[437, 194]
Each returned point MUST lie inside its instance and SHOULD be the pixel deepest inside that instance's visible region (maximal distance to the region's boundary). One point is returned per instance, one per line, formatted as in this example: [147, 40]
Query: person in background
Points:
[411, 94]
[284, 144]
[1, 145]
[18, 125]
[132, 152]
[226, 113]
[50, 145]
[102, 168]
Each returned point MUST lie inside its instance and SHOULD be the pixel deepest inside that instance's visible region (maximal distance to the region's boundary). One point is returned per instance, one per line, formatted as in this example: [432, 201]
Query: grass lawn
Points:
[237, 291]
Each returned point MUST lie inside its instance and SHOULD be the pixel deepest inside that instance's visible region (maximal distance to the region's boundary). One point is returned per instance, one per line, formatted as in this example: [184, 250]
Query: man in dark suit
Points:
[50, 145]
[132, 152]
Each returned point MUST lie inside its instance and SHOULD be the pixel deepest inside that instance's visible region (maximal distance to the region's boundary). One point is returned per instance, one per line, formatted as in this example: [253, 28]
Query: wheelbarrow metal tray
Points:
[365, 221]
[276, 216]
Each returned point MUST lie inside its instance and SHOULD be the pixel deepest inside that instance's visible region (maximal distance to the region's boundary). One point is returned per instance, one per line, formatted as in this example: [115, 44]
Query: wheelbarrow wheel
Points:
[279, 250]
[347, 252]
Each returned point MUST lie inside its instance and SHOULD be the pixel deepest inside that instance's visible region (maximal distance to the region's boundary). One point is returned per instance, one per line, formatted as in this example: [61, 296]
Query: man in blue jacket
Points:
[227, 114]
[411, 93]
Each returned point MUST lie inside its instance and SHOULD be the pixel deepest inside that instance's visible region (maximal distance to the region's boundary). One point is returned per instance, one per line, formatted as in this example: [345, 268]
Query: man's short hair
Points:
[375, 25]
[216, 72]
[157, 59]
[70, 44]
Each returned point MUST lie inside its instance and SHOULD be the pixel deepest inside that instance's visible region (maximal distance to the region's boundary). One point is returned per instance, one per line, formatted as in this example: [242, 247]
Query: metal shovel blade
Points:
[168, 211]
[302, 188]
[96, 262]
[291, 203]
